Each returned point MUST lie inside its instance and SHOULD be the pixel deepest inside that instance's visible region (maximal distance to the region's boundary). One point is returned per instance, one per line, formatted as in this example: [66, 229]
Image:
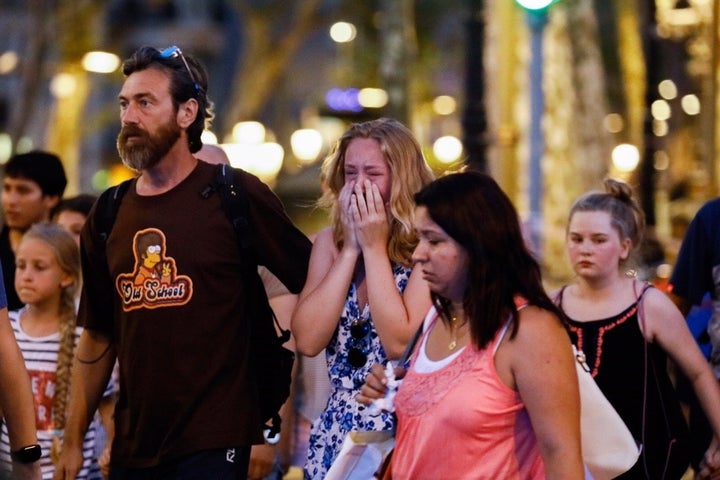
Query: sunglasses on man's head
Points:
[175, 52]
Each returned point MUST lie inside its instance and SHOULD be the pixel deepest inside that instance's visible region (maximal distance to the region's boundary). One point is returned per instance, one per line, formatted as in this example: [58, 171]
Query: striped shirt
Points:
[41, 356]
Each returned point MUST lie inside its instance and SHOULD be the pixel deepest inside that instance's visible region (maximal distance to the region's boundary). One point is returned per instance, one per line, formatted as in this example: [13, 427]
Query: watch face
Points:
[27, 454]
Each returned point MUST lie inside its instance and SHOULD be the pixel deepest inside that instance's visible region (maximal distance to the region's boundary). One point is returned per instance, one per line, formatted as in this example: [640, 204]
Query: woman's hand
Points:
[376, 382]
[368, 211]
[104, 461]
[710, 464]
[347, 204]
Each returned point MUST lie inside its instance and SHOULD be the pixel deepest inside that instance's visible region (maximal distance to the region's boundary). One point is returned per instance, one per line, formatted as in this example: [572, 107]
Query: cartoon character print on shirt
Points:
[154, 281]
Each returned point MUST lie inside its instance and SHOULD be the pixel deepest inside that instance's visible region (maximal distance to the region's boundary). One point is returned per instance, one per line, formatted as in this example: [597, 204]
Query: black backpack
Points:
[270, 362]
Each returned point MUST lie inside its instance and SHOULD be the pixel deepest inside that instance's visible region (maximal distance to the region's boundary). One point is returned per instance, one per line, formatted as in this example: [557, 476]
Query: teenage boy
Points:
[33, 184]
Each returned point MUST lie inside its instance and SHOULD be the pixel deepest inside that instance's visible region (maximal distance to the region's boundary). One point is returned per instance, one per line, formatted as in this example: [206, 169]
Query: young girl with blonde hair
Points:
[46, 279]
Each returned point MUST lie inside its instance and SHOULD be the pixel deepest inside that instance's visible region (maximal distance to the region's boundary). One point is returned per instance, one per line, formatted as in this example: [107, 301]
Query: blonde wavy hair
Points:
[409, 173]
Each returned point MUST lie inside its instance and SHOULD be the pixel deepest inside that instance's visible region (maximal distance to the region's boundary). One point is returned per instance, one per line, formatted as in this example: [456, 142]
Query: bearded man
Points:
[185, 408]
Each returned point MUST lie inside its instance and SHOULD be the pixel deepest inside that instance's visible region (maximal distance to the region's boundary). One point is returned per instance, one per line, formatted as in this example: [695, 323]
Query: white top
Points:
[41, 356]
[423, 364]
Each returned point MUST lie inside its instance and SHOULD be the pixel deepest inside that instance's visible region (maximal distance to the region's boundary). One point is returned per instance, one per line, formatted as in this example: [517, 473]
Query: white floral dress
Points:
[343, 413]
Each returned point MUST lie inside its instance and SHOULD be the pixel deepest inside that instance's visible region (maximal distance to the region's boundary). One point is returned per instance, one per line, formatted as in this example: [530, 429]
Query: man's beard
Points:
[146, 149]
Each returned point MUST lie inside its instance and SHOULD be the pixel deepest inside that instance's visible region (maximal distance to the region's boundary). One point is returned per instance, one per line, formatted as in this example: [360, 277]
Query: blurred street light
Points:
[372, 97]
[249, 132]
[447, 149]
[660, 110]
[63, 85]
[667, 89]
[614, 123]
[306, 145]
[263, 160]
[444, 105]
[100, 62]
[534, 4]
[208, 138]
[343, 32]
[250, 151]
[625, 157]
[5, 147]
[8, 62]
[690, 104]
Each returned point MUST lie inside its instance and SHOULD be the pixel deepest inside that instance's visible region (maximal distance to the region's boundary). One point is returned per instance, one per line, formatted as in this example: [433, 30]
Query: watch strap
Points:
[28, 454]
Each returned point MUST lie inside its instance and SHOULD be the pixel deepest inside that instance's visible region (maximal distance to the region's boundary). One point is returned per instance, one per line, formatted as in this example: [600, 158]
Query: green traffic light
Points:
[534, 4]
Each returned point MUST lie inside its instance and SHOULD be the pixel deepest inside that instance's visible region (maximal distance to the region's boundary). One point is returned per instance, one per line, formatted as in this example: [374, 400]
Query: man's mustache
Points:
[130, 131]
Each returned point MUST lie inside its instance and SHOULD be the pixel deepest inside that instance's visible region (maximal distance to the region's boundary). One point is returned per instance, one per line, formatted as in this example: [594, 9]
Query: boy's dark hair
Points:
[184, 85]
[81, 203]
[43, 168]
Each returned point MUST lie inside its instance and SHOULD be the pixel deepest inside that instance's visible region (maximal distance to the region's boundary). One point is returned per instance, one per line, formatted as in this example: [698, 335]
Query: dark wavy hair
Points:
[472, 209]
[182, 86]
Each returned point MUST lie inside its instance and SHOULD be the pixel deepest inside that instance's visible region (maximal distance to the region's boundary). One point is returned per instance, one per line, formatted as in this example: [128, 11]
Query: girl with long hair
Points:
[362, 301]
[46, 279]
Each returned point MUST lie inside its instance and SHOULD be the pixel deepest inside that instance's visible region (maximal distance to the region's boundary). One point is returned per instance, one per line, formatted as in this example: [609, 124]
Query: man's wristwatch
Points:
[270, 437]
[28, 454]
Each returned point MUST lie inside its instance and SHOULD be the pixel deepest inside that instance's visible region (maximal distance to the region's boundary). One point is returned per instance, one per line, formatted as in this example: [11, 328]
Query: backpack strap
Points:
[228, 184]
[107, 208]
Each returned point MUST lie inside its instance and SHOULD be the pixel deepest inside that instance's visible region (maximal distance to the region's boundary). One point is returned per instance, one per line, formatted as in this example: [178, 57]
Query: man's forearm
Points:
[94, 361]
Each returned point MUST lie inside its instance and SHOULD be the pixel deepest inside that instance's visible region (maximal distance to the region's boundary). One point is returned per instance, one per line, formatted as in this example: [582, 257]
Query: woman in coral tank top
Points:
[491, 391]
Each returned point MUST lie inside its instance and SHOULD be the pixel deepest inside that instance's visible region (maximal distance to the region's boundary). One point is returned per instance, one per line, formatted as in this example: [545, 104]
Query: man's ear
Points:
[187, 113]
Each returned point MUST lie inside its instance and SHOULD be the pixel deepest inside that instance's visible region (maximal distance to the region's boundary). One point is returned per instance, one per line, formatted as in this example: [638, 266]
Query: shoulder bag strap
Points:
[649, 363]
[411, 346]
[646, 367]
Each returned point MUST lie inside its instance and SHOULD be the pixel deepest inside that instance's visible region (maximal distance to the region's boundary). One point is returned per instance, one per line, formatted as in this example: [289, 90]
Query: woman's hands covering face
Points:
[367, 209]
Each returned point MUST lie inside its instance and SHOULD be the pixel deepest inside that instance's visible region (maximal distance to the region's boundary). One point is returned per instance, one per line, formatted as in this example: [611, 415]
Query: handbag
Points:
[608, 447]
[361, 455]
[367, 454]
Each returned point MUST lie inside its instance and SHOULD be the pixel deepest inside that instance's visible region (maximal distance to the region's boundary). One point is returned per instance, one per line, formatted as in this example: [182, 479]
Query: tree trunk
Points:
[32, 69]
[265, 58]
[398, 51]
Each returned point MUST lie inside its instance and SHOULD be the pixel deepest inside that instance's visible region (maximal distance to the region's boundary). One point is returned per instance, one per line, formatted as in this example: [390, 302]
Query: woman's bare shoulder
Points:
[537, 323]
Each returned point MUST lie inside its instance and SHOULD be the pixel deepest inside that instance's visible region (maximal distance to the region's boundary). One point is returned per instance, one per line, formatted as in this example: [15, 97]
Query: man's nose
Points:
[129, 115]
